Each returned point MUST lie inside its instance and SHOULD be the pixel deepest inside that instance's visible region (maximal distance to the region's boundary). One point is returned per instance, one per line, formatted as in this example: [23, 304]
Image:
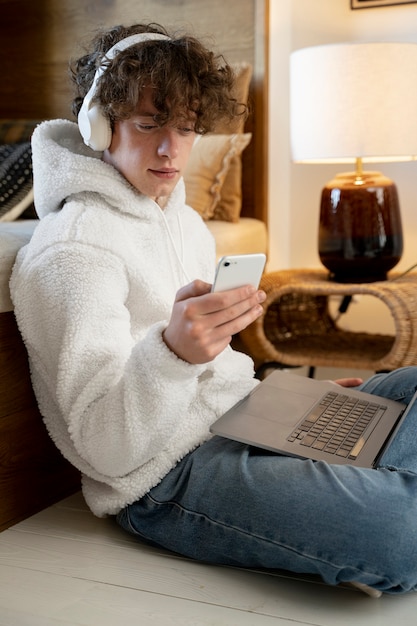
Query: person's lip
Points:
[165, 172]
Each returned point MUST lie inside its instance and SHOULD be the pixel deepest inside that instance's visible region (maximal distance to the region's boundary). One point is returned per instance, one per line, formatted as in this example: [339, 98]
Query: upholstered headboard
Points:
[41, 36]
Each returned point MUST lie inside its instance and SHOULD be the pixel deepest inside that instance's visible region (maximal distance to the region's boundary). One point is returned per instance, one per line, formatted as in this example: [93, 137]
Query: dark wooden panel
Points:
[33, 473]
[16, 390]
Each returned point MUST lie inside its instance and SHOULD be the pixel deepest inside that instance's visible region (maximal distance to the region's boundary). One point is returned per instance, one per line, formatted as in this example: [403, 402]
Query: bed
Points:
[226, 182]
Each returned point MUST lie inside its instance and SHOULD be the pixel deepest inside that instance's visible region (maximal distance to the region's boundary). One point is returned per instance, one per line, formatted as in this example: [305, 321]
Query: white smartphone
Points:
[238, 270]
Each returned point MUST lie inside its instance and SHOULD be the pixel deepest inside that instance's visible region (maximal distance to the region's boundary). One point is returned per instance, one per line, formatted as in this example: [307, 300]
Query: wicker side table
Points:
[297, 328]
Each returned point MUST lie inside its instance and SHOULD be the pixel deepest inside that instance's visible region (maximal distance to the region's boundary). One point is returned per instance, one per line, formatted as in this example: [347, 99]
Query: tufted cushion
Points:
[207, 169]
[16, 180]
[16, 195]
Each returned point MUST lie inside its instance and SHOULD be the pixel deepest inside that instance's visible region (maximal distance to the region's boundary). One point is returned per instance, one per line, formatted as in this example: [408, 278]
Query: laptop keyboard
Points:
[337, 425]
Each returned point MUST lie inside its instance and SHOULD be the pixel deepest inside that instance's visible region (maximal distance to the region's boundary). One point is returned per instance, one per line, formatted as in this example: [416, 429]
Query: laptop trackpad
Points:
[288, 408]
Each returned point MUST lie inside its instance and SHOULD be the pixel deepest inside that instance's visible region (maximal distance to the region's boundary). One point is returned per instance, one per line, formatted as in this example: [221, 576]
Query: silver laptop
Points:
[308, 418]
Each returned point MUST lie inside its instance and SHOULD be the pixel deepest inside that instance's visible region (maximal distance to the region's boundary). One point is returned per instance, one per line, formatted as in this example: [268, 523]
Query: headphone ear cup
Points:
[94, 128]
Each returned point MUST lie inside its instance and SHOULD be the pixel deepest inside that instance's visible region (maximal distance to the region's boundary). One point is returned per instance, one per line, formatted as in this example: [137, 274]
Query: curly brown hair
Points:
[186, 77]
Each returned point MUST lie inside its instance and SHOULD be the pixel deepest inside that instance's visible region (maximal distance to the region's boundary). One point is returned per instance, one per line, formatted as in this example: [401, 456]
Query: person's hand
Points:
[348, 382]
[202, 323]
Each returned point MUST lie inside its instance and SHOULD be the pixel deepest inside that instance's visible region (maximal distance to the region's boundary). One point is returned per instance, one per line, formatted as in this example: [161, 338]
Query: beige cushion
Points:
[207, 168]
[230, 204]
[245, 237]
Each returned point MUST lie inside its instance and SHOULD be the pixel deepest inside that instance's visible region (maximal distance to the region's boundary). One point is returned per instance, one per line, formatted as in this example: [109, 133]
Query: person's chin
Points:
[159, 190]
[166, 189]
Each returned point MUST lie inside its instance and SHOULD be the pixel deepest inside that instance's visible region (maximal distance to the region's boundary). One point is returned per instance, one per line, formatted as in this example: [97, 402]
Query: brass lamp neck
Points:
[359, 171]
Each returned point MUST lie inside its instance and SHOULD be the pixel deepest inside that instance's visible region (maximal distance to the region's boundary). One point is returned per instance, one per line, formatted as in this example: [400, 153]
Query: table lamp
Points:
[356, 103]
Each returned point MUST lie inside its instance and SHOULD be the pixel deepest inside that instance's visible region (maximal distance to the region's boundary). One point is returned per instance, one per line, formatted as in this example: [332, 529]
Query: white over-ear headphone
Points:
[94, 126]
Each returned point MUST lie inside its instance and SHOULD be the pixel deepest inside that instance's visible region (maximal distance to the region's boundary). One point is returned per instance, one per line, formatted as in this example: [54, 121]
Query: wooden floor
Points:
[63, 566]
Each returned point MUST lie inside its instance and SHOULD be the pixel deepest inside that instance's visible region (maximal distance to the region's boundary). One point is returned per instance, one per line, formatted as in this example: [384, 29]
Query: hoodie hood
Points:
[63, 167]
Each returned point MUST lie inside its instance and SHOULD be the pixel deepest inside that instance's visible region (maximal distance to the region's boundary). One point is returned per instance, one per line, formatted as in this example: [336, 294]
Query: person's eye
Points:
[146, 128]
[186, 130]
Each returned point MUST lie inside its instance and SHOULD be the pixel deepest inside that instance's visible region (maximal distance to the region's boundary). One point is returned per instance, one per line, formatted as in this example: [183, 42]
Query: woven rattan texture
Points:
[297, 328]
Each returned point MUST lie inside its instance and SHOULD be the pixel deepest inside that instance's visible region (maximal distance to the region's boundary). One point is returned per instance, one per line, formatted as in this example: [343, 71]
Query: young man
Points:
[129, 350]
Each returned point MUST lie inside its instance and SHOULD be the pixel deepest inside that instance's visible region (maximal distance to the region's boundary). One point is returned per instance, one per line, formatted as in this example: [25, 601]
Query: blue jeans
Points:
[233, 504]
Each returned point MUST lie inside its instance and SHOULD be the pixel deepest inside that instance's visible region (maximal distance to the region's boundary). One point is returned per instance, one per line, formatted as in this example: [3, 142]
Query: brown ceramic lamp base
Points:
[360, 233]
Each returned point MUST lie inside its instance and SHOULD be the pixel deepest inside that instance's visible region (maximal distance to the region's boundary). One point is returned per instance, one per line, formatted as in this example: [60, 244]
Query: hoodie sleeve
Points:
[122, 398]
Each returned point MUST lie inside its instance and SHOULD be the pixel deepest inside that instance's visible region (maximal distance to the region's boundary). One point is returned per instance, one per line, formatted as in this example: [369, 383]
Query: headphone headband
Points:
[93, 124]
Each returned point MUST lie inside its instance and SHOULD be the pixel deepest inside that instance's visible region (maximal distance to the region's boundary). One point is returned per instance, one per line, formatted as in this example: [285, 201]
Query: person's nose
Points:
[168, 143]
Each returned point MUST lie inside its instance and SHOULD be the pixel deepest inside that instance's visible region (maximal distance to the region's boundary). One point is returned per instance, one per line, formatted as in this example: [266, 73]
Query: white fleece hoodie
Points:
[93, 292]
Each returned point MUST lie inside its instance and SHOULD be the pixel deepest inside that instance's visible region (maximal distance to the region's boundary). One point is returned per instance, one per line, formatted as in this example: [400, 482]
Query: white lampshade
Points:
[354, 100]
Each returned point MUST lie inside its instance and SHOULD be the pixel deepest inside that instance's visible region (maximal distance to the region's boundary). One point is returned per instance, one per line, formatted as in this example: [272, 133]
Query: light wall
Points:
[294, 191]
